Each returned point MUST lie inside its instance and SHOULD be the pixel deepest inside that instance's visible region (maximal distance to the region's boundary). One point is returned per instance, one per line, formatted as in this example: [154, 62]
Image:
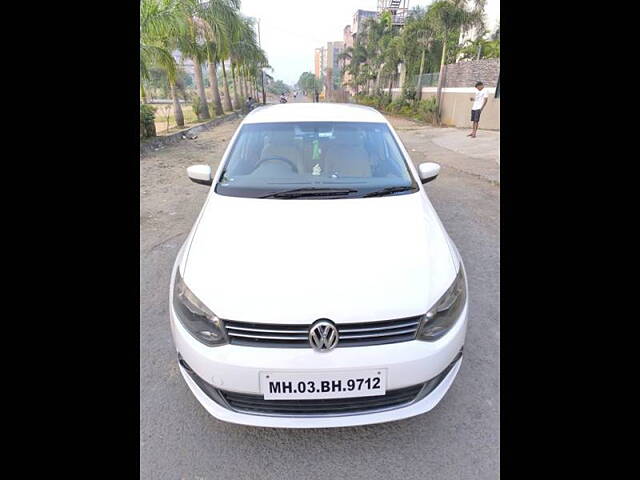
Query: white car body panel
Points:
[318, 272]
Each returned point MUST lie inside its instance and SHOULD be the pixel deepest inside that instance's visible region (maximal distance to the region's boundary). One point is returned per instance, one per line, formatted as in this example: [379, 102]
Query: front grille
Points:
[256, 404]
[297, 336]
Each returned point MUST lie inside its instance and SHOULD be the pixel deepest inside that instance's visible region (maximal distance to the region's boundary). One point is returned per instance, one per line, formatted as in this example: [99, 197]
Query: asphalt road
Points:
[459, 439]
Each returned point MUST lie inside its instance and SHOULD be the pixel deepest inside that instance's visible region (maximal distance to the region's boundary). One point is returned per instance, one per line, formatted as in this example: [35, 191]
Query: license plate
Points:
[310, 385]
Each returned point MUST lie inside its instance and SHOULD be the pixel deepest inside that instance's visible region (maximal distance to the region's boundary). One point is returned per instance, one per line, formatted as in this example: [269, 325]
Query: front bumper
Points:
[234, 368]
[416, 408]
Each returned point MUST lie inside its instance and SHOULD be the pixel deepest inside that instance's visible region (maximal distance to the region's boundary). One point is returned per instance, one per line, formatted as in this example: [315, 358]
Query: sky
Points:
[290, 30]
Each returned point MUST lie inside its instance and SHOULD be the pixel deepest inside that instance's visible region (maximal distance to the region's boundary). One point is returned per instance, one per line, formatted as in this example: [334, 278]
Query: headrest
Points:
[347, 136]
[281, 135]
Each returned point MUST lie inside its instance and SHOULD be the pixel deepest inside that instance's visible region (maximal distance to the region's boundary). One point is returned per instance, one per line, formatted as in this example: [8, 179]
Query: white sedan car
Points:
[318, 287]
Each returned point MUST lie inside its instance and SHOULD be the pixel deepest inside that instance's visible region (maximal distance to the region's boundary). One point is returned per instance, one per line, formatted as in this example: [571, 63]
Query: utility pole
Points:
[264, 95]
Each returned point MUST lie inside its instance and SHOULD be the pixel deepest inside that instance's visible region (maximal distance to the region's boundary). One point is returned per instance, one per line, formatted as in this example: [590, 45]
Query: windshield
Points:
[315, 160]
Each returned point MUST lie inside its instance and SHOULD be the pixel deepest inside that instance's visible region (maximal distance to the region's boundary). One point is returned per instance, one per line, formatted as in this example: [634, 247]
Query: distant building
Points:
[398, 9]
[358, 19]
[347, 37]
[319, 61]
[324, 61]
[348, 43]
[333, 62]
[333, 50]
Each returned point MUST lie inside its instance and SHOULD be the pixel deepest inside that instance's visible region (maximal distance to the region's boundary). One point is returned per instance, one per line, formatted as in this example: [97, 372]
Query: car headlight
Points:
[201, 322]
[443, 315]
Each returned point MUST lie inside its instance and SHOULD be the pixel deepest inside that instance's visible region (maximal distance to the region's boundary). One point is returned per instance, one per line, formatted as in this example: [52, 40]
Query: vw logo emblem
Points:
[323, 336]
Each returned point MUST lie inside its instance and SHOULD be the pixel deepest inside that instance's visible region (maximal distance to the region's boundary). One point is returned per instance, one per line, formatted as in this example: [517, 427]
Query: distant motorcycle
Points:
[283, 99]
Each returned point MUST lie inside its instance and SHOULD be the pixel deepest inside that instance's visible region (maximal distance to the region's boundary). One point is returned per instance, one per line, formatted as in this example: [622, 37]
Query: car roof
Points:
[314, 112]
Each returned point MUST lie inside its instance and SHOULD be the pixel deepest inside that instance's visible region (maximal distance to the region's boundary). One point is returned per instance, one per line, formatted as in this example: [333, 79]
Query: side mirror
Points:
[428, 171]
[200, 174]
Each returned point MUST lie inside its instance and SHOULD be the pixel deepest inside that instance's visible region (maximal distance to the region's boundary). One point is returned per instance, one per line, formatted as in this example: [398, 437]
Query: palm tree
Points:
[393, 56]
[425, 40]
[198, 60]
[225, 83]
[260, 62]
[206, 32]
[233, 22]
[191, 44]
[248, 58]
[217, 14]
[447, 16]
[377, 33]
[345, 55]
[356, 65]
[240, 50]
[213, 77]
[160, 20]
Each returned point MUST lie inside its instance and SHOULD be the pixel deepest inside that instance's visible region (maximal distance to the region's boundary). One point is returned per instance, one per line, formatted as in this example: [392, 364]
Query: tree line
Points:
[427, 41]
[209, 34]
[310, 84]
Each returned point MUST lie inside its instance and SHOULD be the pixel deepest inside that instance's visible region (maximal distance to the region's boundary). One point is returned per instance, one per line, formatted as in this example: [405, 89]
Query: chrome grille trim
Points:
[348, 330]
[274, 337]
[296, 336]
[246, 329]
[383, 334]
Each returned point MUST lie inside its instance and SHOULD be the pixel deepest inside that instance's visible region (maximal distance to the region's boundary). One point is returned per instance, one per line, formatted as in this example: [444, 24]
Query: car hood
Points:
[294, 261]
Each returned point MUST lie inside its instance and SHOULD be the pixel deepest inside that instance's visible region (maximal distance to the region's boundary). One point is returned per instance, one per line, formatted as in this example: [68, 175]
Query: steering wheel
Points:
[280, 159]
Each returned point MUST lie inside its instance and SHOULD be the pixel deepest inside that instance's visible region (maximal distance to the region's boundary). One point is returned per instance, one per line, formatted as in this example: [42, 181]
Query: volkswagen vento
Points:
[318, 287]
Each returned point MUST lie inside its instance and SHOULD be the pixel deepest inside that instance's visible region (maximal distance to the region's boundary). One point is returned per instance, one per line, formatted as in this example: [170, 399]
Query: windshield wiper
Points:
[310, 192]
[389, 191]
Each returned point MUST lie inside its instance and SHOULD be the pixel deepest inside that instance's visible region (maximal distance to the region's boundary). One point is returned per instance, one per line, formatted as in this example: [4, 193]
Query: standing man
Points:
[479, 101]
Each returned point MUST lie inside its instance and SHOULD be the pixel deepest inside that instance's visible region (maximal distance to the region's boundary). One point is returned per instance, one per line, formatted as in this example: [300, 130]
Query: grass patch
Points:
[162, 111]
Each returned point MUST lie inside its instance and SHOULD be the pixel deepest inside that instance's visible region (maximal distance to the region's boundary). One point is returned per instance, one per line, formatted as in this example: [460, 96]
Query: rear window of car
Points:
[268, 158]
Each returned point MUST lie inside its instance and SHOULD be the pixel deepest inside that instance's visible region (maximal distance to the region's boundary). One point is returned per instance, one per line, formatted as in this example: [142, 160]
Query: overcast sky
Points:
[290, 30]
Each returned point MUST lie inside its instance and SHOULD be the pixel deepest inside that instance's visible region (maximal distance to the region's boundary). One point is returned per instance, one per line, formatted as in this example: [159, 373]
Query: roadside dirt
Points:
[165, 213]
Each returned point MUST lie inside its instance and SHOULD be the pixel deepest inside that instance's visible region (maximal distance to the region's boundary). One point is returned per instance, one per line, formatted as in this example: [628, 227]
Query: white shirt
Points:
[479, 101]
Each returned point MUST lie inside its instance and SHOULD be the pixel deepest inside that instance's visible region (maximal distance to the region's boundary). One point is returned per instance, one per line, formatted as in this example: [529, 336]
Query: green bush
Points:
[396, 105]
[147, 121]
[368, 100]
[407, 110]
[409, 93]
[195, 105]
[371, 100]
[426, 109]
[384, 101]
[423, 110]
